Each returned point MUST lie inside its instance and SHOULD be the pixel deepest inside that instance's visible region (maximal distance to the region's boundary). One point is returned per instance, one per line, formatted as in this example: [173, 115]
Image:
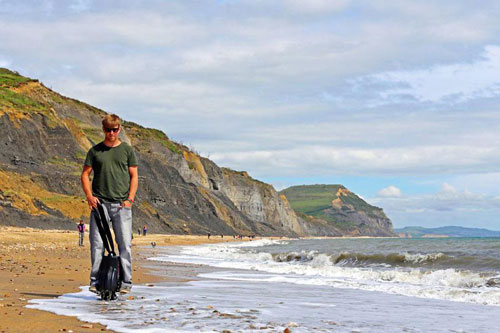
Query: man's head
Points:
[111, 127]
[81, 221]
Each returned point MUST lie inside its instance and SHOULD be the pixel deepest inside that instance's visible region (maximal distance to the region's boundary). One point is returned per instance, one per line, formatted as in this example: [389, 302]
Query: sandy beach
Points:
[38, 264]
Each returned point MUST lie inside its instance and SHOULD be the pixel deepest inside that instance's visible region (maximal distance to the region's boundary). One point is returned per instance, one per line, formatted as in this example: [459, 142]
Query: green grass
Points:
[311, 199]
[94, 134]
[162, 138]
[63, 162]
[12, 79]
[11, 99]
[148, 134]
[80, 156]
[58, 198]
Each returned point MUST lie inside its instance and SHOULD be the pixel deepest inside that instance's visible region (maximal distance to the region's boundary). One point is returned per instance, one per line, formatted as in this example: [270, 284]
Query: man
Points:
[114, 186]
[81, 233]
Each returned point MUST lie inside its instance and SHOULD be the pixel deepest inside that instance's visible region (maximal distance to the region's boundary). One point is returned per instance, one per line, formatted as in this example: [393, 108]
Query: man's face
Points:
[111, 132]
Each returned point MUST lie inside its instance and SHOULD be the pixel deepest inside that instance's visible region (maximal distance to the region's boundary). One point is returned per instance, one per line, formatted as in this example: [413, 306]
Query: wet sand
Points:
[38, 264]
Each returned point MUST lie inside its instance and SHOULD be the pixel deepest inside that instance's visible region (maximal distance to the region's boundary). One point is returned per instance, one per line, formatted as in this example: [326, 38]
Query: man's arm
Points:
[134, 183]
[85, 178]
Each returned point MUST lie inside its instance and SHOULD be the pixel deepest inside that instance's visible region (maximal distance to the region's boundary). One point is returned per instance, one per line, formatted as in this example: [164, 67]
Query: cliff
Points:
[45, 136]
[339, 209]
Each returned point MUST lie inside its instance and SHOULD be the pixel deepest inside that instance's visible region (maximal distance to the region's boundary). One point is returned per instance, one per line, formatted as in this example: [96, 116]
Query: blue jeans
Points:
[121, 220]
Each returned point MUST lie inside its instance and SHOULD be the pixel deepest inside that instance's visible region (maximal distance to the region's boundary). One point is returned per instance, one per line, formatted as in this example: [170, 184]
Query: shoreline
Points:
[37, 264]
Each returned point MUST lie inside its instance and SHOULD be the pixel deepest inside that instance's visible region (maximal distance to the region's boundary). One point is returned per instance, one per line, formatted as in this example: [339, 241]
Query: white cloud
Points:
[316, 6]
[331, 160]
[447, 206]
[456, 82]
[448, 190]
[291, 87]
[447, 199]
[390, 192]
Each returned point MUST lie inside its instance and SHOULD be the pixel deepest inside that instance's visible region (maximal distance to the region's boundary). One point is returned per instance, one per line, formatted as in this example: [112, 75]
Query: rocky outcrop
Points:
[335, 210]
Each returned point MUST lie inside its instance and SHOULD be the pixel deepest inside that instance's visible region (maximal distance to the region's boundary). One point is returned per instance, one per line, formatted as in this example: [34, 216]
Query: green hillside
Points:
[311, 199]
[339, 207]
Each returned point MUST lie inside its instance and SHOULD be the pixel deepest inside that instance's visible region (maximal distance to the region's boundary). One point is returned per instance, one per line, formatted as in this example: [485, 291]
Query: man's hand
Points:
[127, 204]
[93, 201]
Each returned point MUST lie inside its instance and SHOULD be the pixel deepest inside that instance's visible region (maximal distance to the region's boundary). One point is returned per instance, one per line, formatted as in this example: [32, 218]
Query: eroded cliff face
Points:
[45, 136]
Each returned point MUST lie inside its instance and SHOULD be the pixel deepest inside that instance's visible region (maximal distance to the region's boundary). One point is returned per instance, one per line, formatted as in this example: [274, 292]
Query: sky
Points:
[399, 101]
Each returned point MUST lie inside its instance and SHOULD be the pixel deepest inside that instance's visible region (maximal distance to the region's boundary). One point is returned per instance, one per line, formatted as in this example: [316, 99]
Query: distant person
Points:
[114, 186]
[81, 233]
[139, 231]
[208, 235]
[144, 230]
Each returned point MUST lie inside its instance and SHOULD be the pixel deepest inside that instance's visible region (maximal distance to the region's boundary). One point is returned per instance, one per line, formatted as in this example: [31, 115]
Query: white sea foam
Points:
[318, 269]
[262, 302]
[418, 258]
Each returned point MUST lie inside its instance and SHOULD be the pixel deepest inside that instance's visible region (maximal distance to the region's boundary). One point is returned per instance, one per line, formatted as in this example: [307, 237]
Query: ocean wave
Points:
[346, 270]
[392, 259]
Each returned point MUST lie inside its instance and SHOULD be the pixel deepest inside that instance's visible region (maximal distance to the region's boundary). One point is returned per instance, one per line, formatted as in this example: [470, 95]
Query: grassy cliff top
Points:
[9, 78]
[312, 199]
[309, 199]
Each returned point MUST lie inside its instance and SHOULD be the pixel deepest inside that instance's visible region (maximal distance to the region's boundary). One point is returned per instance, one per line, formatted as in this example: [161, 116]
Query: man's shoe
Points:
[93, 289]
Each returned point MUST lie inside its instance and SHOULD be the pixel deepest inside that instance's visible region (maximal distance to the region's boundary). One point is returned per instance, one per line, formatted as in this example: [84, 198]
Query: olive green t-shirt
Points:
[111, 176]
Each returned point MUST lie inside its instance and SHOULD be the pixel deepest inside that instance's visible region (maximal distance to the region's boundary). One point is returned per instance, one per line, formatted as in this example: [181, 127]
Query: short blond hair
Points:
[111, 120]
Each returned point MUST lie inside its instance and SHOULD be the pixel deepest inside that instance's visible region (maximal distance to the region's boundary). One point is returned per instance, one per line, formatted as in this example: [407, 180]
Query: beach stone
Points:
[286, 330]
[87, 326]
[130, 298]
[229, 315]
[292, 324]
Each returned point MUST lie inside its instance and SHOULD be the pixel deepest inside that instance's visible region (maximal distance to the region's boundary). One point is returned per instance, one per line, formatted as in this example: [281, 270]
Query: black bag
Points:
[109, 276]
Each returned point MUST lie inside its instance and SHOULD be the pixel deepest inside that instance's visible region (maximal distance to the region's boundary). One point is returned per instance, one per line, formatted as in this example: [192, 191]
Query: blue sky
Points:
[397, 100]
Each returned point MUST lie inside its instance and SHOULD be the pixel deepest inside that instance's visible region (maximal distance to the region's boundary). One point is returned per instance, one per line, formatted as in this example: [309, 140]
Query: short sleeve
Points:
[132, 160]
[89, 158]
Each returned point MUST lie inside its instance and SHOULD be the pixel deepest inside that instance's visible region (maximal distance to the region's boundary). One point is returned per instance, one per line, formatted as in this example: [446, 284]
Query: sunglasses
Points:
[114, 130]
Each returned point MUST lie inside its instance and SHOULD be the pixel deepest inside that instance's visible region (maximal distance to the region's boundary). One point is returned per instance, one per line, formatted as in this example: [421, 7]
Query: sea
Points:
[309, 285]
